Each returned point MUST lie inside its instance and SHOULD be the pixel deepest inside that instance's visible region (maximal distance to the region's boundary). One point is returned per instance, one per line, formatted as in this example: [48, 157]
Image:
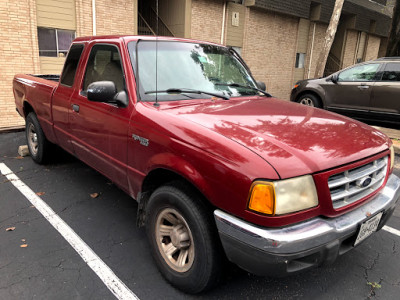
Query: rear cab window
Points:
[71, 65]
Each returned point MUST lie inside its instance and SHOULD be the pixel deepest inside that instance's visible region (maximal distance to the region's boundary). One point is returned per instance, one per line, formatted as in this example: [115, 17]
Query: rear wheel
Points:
[183, 239]
[37, 142]
[309, 100]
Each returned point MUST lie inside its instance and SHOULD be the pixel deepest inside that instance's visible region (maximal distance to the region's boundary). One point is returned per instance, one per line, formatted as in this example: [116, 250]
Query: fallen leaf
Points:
[23, 240]
[10, 229]
[40, 193]
[94, 195]
[32, 206]
[19, 157]
[24, 245]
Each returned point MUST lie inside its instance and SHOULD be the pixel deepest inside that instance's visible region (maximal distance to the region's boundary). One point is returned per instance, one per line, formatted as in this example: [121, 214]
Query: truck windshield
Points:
[166, 66]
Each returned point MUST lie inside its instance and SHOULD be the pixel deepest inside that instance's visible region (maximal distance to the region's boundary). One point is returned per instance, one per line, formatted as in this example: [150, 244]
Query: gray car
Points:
[366, 91]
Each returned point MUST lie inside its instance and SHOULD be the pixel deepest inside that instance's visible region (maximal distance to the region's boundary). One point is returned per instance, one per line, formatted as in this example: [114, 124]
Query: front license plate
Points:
[367, 228]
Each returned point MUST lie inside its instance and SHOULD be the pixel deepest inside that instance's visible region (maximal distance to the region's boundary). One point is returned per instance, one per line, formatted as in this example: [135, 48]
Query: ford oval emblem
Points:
[364, 182]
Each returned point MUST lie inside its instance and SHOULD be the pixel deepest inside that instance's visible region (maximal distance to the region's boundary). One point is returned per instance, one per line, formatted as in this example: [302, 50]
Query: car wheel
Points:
[310, 100]
[183, 238]
[37, 142]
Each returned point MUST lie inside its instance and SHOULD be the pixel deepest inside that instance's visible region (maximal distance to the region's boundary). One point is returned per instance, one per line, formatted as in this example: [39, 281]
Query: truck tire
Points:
[37, 143]
[309, 100]
[183, 238]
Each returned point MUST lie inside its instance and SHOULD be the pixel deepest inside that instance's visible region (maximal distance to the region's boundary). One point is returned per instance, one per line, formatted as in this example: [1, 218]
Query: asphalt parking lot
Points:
[104, 218]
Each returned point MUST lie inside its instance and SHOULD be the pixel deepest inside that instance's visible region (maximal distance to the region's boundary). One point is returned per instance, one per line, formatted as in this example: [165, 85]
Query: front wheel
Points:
[37, 142]
[183, 238]
[310, 100]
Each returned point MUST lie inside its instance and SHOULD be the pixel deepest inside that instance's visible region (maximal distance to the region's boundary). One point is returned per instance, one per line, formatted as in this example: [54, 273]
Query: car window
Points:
[391, 72]
[359, 73]
[104, 64]
[71, 64]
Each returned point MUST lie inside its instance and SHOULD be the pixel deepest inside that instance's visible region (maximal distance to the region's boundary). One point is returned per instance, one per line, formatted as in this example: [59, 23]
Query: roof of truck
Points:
[129, 38]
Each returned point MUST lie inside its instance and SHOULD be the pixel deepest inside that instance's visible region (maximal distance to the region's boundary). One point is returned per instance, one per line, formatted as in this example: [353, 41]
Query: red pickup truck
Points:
[219, 168]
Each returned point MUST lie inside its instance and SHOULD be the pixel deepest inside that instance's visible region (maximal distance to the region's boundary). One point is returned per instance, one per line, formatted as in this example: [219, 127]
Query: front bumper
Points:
[287, 250]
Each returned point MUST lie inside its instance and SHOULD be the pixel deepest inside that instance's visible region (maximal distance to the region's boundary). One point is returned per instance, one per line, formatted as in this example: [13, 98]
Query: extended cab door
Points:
[100, 130]
[354, 86]
[61, 97]
[386, 94]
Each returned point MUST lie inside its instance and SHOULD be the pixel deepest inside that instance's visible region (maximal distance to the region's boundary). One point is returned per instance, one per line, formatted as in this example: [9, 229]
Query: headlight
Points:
[391, 157]
[283, 196]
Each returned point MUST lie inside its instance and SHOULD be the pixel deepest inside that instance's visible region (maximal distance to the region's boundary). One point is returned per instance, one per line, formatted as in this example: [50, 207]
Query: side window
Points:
[391, 72]
[71, 64]
[359, 73]
[104, 64]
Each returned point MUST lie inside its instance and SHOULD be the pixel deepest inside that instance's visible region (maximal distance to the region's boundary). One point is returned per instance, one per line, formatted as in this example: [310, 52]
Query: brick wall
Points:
[207, 20]
[319, 39]
[84, 23]
[270, 50]
[373, 46]
[19, 52]
[349, 48]
[112, 17]
[115, 17]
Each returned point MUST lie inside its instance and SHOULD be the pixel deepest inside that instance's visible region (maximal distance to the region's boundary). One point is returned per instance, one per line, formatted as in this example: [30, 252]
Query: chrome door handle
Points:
[363, 87]
[75, 107]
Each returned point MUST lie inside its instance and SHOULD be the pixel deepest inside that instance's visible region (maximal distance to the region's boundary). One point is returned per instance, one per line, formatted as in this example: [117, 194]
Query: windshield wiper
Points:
[188, 91]
[245, 87]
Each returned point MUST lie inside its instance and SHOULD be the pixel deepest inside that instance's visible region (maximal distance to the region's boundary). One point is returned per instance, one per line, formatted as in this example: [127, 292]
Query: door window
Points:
[104, 64]
[359, 73]
[391, 72]
[71, 64]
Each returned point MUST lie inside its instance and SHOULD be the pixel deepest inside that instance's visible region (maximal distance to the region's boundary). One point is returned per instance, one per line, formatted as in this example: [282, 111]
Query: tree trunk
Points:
[394, 37]
[329, 37]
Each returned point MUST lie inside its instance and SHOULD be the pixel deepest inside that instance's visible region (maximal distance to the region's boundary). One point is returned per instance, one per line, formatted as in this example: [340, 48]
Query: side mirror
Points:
[106, 91]
[261, 85]
[334, 78]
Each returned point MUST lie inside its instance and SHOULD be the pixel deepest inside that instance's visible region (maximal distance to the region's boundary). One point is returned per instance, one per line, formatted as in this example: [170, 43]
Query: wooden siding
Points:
[234, 34]
[56, 14]
[51, 65]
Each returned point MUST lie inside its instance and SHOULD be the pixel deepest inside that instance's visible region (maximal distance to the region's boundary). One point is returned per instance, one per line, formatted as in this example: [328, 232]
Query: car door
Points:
[100, 130]
[354, 86]
[386, 93]
[61, 98]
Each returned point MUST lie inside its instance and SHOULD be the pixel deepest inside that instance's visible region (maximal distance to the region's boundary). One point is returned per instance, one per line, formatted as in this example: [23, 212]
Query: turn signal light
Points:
[262, 198]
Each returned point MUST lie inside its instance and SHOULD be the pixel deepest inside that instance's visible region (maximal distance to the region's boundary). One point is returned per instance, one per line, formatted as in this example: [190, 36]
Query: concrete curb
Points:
[12, 129]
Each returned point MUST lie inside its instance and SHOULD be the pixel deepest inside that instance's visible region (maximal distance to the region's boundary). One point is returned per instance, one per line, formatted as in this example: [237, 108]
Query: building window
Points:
[300, 58]
[54, 42]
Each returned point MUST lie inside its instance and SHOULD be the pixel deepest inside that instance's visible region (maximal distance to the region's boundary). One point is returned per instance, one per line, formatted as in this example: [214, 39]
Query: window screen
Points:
[300, 58]
[54, 42]
[71, 64]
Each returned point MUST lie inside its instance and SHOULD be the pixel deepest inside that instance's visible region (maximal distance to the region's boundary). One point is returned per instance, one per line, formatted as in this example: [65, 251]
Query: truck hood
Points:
[295, 139]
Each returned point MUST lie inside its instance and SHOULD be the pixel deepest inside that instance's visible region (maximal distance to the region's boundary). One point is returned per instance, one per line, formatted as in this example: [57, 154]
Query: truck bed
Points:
[36, 91]
[52, 77]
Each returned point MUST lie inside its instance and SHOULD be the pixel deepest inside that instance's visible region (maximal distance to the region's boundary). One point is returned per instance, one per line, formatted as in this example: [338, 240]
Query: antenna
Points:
[157, 33]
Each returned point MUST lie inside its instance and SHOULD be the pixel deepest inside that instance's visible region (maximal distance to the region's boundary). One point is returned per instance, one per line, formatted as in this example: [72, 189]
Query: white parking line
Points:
[113, 283]
[391, 230]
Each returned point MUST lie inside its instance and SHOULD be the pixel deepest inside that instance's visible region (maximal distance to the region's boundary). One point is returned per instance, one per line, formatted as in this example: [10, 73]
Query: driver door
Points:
[354, 86]
[100, 130]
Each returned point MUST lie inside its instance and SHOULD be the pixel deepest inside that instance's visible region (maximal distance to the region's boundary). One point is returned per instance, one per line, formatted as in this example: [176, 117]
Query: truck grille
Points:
[351, 185]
